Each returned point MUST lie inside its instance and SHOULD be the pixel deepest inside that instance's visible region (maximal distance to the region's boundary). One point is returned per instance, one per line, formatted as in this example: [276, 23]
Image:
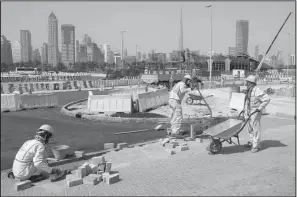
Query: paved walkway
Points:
[150, 170]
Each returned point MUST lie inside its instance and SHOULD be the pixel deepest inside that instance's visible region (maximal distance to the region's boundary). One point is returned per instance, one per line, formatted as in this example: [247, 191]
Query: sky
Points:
[156, 25]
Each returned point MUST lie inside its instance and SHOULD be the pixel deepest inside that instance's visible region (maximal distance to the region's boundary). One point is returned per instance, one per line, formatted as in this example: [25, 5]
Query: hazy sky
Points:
[155, 25]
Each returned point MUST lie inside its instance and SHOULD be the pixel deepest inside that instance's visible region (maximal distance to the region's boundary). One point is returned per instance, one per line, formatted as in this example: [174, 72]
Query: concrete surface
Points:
[151, 171]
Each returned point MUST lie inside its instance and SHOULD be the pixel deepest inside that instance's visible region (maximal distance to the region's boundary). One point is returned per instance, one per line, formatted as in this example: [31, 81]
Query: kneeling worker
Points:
[255, 100]
[175, 99]
[31, 158]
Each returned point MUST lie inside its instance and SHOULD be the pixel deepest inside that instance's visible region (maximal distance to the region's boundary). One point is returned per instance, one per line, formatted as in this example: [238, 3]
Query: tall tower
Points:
[68, 44]
[256, 56]
[242, 36]
[53, 49]
[181, 36]
[26, 47]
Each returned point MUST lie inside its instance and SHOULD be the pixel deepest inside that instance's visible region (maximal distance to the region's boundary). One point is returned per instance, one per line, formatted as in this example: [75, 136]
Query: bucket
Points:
[60, 152]
[235, 89]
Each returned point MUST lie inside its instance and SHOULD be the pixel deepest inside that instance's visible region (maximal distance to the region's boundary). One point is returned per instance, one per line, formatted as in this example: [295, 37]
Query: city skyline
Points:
[167, 15]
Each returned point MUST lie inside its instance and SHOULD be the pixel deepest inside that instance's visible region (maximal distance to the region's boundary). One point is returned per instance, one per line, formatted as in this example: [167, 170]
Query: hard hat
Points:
[46, 127]
[251, 78]
[188, 77]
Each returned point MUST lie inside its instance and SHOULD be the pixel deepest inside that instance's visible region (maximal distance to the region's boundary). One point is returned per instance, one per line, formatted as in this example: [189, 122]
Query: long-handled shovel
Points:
[157, 128]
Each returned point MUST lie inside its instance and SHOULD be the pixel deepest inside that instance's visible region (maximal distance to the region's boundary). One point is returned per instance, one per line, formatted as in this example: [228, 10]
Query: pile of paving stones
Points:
[95, 171]
[172, 146]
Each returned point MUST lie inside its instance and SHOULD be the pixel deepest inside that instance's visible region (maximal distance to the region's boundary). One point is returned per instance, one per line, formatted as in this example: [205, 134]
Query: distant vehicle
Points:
[26, 70]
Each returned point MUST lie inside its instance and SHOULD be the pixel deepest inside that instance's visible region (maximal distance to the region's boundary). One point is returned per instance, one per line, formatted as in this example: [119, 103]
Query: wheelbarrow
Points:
[194, 97]
[223, 132]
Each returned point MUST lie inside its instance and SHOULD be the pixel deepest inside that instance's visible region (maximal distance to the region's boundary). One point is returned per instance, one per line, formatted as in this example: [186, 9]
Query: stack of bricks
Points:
[91, 173]
[171, 144]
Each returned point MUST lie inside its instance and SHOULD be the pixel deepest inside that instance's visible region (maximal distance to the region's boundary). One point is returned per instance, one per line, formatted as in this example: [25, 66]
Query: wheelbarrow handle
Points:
[245, 121]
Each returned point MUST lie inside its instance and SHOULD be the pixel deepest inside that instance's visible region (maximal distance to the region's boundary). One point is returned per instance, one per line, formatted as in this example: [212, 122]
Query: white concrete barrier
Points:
[30, 101]
[10, 102]
[152, 100]
[132, 91]
[237, 101]
[108, 103]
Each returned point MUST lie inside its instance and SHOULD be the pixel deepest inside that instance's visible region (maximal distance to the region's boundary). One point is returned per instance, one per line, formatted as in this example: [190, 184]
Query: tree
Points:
[60, 67]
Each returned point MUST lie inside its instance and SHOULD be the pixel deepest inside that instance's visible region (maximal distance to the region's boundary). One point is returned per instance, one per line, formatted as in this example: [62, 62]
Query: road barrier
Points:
[10, 102]
[132, 91]
[110, 104]
[31, 101]
[152, 100]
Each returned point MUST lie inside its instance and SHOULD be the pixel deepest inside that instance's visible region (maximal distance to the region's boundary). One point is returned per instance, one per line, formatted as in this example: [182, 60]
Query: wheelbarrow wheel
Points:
[189, 101]
[215, 147]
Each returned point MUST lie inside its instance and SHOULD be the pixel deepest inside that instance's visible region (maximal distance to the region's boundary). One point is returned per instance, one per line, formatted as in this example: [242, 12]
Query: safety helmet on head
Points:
[47, 128]
[188, 77]
[252, 79]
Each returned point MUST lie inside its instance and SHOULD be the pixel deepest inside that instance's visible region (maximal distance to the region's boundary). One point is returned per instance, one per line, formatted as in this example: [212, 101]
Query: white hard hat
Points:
[188, 77]
[251, 78]
[46, 127]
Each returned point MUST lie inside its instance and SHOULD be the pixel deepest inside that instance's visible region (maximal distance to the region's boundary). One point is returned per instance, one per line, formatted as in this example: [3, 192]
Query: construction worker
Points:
[255, 100]
[30, 161]
[175, 99]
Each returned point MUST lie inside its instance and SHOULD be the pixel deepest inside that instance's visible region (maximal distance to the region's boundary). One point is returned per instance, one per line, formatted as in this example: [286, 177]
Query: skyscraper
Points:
[242, 36]
[44, 54]
[36, 55]
[53, 49]
[68, 44]
[181, 33]
[16, 51]
[256, 52]
[26, 47]
[106, 49]
[6, 54]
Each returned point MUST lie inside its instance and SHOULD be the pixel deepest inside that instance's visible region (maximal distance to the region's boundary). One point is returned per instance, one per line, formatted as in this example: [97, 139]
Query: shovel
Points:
[157, 128]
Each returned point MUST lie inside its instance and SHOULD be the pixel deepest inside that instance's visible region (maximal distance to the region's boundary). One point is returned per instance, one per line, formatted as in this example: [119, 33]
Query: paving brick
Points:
[108, 167]
[79, 153]
[122, 145]
[97, 160]
[101, 167]
[170, 151]
[112, 178]
[97, 176]
[22, 185]
[74, 182]
[90, 180]
[108, 146]
[184, 148]
[169, 145]
[88, 168]
[81, 172]
[175, 143]
[94, 168]
[71, 176]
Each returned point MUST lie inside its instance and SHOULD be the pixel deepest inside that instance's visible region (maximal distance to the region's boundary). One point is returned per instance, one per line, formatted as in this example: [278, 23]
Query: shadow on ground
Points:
[241, 148]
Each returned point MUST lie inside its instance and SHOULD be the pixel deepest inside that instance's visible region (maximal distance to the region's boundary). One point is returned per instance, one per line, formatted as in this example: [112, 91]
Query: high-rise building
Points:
[138, 56]
[87, 39]
[36, 55]
[44, 54]
[53, 48]
[292, 60]
[106, 50]
[174, 56]
[68, 44]
[26, 47]
[232, 51]
[181, 33]
[111, 57]
[143, 57]
[6, 53]
[256, 52]
[125, 53]
[242, 36]
[16, 51]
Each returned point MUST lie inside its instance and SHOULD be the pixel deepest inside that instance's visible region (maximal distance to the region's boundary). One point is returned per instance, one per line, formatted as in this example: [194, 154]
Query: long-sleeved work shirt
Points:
[178, 91]
[259, 100]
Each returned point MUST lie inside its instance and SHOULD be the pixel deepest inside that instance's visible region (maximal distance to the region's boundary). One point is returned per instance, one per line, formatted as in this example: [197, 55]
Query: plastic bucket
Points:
[60, 152]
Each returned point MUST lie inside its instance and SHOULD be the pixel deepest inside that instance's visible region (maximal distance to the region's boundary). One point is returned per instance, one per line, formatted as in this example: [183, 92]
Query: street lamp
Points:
[210, 58]
[122, 56]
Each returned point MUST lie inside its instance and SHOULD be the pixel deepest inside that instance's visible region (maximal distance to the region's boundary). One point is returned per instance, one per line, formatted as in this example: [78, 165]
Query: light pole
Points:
[122, 55]
[210, 58]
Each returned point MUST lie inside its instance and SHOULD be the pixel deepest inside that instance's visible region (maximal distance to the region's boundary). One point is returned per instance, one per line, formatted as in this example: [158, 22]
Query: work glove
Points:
[56, 171]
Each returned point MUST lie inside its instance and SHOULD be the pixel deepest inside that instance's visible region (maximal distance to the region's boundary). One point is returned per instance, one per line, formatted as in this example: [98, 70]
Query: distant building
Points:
[292, 60]
[26, 47]
[125, 53]
[53, 45]
[260, 57]
[242, 36]
[143, 57]
[130, 59]
[175, 56]
[36, 55]
[81, 52]
[232, 51]
[87, 39]
[117, 59]
[6, 53]
[157, 57]
[44, 54]
[138, 56]
[256, 52]
[68, 44]
[106, 49]
[16, 51]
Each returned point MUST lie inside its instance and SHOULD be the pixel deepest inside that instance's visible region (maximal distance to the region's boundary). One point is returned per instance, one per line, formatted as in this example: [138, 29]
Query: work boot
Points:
[57, 175]
[255, 149]
[10, 175]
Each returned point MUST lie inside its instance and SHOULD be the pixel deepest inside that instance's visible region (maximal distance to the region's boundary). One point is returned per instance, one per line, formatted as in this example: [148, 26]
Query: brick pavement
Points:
[149, 170]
